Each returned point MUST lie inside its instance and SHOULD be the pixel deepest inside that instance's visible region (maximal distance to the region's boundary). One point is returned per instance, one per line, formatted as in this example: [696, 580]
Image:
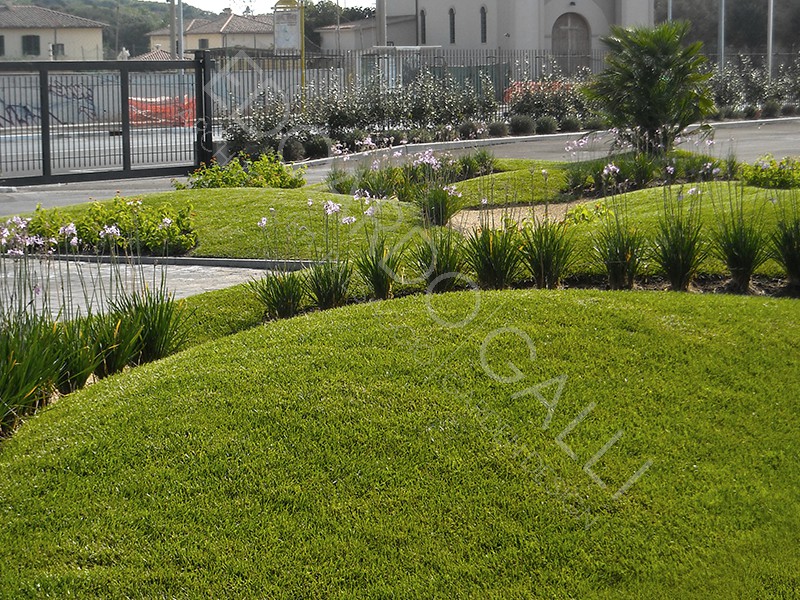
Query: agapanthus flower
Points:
[68, 230]
[110, 231]
[331, 207]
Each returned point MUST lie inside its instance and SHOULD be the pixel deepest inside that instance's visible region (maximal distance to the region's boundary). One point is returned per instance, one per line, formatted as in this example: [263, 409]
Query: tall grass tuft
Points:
[619, 248]
[438, 204]
[28, 367]
[679, 249]
[117, 340]
[494, 255]
[739, 240]
[440, 258]
[78, 354]
[280, 293]
[378, 265]
[160, 321]
[328, 283]
[547, 251]
[785, 240]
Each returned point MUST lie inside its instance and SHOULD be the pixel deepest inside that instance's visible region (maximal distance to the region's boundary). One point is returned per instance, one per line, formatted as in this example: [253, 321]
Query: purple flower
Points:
[165, 222]
[610, 170]
[370, 212]
[68, 230]
[670, 170]
[109, 231]
[348, 220]
[331, 207]
[74, 242]
[262, 222]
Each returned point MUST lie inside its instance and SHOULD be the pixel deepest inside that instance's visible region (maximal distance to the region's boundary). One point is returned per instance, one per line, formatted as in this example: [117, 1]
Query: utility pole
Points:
[669, 11]
[721, 36]
[180, 30]
[172, 41]
[770, 30]
[338, 28]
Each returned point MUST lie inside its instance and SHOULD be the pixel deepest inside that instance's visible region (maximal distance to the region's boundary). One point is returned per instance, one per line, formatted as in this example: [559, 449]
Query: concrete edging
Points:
[193, 261]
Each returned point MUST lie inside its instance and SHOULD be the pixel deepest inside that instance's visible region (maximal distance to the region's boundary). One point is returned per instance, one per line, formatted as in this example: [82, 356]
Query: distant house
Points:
[564, 27]
[401, 30]
[225, 31]
[36, 33]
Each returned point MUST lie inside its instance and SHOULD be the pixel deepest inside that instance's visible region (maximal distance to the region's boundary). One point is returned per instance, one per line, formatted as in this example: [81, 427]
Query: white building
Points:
[564, 27]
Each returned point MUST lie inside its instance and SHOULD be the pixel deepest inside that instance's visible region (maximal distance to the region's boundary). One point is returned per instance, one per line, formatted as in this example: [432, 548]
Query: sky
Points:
[260, 7]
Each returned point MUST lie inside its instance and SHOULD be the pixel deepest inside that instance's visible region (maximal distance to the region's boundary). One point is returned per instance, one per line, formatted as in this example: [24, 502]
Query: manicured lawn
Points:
[518, 182]
[364, 452]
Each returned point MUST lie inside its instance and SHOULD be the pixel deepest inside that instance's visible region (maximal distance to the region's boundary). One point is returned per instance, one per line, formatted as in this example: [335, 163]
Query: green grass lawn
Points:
[365, 453]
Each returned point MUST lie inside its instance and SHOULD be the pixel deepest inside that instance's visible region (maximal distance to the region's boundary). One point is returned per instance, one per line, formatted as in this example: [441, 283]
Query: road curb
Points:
[193, 261]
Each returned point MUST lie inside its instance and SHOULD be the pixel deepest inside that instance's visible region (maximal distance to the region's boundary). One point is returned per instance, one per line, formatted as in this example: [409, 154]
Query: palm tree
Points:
[653, 86]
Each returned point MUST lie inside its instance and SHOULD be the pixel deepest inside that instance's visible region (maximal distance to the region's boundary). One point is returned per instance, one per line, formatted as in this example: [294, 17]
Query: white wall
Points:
[79, 44]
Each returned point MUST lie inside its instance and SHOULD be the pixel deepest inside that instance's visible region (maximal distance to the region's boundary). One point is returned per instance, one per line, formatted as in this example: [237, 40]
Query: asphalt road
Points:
[747, 140]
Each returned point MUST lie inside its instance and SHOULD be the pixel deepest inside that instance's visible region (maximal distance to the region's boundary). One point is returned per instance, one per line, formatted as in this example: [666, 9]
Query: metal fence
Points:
[68, 121]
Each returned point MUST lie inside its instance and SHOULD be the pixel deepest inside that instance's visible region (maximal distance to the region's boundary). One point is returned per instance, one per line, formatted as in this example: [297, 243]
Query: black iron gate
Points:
[83, 121]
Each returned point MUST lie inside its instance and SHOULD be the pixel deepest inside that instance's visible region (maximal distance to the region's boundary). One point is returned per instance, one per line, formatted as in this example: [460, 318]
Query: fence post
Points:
[125, 95]
[44, 110]
[203, 105]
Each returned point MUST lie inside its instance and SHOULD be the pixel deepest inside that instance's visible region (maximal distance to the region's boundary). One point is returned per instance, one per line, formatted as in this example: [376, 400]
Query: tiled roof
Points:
[36, 17]
[224, 24]
[157, 54]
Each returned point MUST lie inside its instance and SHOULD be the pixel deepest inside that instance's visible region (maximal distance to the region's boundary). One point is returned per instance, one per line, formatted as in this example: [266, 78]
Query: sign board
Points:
[287, 29]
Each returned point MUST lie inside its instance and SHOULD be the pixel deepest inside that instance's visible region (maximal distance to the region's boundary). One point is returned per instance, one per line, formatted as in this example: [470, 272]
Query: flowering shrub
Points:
[554, 96]
[266, 171]
[126, 226]
[767, 172]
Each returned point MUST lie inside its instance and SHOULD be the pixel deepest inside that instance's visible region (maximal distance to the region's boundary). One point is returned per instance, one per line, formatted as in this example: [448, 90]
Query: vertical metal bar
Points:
[44, 111]
[125, 109]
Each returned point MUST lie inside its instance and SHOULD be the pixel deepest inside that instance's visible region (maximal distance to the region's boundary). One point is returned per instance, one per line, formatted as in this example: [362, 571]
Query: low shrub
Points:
[317, 146]
[119, 226]
[570, 123]
[789, 110]
[770, 109]
[292, 150]
[546, 125]
[767, 172]
[522, 125]
[498, 129]
[468, 130]
[265, 171]
[339, 181]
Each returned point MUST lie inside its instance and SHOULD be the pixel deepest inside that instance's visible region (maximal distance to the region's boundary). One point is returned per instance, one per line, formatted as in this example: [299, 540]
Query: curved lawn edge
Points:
[365, 451]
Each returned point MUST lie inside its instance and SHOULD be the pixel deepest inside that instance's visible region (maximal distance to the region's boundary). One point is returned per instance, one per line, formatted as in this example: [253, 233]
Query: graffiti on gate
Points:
[70, 103]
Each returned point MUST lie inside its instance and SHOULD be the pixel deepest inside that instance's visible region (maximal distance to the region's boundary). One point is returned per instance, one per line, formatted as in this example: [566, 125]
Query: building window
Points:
[452, 25]
[423, 28]
[58, 50]
[483, 25]
[203, 44]
[2, 45]
[30, 45]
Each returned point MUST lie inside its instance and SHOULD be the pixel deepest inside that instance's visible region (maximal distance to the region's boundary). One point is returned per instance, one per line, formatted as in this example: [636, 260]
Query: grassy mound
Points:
[366, 452]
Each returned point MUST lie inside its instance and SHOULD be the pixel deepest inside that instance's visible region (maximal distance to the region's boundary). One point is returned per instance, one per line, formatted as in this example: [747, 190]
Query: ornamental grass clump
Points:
[281, 293]
[438, 204]
[785, 240]
[494, 254]
[439, 257]
[547, 251]
[378, 265]
[679, 249]
[739, 240]
[619, 248]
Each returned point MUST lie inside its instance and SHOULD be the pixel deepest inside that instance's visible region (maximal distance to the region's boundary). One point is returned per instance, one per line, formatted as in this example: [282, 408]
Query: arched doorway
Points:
[572, 42]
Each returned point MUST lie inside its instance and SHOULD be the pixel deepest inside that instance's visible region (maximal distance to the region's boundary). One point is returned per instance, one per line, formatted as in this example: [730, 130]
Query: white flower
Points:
[310, 202]
[110, 231]
[370, 212]
[348, 220]
[74, 242]
[68, 230]
[262, 222]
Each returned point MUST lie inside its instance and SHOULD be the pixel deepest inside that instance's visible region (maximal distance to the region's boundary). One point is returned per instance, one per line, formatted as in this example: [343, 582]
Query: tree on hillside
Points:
[653, 86]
